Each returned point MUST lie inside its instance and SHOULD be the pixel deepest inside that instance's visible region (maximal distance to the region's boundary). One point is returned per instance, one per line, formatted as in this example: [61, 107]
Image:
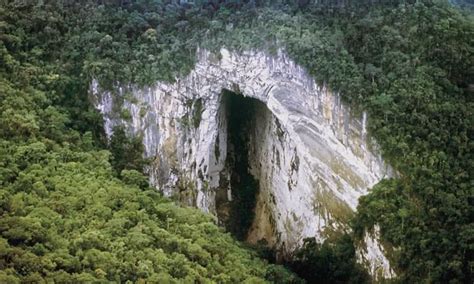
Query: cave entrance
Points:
[238, 205]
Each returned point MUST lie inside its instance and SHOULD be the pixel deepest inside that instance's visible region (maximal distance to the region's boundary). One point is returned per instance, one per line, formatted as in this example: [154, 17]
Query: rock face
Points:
[308, 153]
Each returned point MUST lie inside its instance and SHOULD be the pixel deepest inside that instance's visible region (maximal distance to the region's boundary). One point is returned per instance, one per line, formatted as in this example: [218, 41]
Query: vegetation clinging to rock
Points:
[410, 66]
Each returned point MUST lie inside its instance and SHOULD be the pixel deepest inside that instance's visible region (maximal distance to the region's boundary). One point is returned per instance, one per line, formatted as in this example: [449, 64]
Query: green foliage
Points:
[334, 261]
[198, 108]
[76, 221]
[421, 113]
[127, 151]
[64, 215]
[134, 178]
[411, 67]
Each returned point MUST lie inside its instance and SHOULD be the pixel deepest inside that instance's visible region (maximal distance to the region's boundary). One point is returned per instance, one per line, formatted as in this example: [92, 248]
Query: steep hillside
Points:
[65, 216]
[71, 210]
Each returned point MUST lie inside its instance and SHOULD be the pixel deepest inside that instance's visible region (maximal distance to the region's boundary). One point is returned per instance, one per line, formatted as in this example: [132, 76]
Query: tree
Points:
[127, 152]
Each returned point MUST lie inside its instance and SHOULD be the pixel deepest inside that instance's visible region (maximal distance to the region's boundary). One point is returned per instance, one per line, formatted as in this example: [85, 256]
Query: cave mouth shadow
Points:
[241, 114]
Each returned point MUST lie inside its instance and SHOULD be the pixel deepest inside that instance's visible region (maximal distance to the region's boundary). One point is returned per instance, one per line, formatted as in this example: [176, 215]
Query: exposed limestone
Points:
[310, 154]
[372, 254]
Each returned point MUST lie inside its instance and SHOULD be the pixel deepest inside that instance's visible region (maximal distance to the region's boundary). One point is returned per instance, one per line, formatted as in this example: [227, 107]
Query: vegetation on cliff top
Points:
[412, 68]
[409, 65]
[65, 216]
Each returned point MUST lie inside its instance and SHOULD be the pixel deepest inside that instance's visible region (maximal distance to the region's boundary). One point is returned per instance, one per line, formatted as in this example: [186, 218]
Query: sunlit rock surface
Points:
[308, 151]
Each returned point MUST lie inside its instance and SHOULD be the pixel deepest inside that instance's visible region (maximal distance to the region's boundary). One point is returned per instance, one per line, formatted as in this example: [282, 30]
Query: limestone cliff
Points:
[307, 151]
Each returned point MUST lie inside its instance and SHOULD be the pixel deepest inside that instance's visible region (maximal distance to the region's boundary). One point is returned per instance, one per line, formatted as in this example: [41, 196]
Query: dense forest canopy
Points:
[66, 217]
[71, 210]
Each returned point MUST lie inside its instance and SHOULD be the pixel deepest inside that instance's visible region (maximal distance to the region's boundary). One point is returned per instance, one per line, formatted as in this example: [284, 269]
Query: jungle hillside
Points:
[77, 208]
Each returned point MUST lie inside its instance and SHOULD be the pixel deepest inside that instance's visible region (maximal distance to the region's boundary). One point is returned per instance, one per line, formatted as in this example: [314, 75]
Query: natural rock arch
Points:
[325, 160]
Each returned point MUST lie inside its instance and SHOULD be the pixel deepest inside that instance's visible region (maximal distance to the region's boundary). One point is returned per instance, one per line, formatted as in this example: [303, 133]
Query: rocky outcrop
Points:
[308, 151]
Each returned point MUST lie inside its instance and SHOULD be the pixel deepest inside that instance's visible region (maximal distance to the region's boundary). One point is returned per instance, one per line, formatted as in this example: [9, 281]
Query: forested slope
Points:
[65, 216]
[409, 65]
[412, 68]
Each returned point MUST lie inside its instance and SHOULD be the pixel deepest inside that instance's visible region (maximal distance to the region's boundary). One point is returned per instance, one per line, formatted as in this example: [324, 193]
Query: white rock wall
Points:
[372, 255]
[325, 163]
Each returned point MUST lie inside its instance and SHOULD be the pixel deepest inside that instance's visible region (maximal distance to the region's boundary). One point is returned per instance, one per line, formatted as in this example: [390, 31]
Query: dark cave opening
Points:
[246, 120]
[240, 114]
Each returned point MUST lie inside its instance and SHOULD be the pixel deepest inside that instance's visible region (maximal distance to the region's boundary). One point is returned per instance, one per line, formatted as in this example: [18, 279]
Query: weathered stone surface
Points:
[309, 152]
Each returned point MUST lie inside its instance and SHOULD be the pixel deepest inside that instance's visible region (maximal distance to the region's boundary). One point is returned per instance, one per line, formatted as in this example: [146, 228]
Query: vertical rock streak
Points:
[310, 154]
